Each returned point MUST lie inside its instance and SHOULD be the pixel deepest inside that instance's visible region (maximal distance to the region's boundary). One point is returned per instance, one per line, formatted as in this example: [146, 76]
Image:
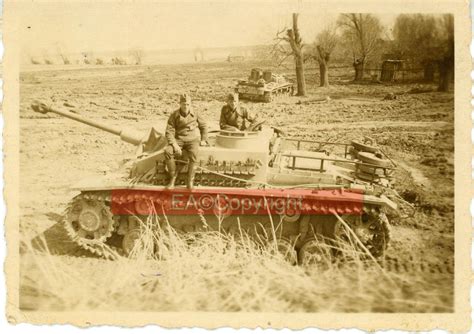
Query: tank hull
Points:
[263, 94]
[263, 86]
[250, 185]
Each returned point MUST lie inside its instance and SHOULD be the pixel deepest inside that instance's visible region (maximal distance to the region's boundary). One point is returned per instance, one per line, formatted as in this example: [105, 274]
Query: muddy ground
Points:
[416, 130]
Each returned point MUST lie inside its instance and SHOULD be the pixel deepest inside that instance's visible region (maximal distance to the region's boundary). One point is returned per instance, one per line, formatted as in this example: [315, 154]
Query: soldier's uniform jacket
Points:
[235, 118]
[185, 128]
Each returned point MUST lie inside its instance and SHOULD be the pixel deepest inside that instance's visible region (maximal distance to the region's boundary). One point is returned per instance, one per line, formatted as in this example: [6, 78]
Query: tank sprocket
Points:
[371, 228]
[89, 223]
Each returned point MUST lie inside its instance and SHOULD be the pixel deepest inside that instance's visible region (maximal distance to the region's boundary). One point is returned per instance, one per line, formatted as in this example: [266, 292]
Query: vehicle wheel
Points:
[291, 216]
[372, 230]
[130, 240]
[363, 147]
[315, 253]
[371, 158]
[285, 248]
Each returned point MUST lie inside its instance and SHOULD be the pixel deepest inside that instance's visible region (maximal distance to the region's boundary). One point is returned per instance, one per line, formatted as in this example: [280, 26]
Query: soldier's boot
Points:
[191, 173]
[173, 172]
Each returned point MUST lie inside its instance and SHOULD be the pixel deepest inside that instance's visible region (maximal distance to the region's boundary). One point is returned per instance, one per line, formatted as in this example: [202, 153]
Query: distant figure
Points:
[185, 131]
[234, 117]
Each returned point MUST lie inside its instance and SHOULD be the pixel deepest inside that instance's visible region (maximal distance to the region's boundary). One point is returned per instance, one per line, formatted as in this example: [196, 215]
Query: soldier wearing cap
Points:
[185, 132]
[234, 117]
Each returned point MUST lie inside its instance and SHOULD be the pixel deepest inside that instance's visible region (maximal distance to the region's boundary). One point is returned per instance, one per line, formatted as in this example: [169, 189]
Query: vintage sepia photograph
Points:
[290, 158]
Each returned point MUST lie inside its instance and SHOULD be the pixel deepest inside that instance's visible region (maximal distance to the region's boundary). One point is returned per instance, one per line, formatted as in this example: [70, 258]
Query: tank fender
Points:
[389, 203]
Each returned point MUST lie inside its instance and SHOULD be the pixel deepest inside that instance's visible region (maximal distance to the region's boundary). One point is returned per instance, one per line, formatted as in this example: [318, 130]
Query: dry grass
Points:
[217, 272]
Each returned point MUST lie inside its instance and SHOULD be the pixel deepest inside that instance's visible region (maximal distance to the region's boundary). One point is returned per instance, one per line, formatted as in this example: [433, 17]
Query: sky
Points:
[99, 26]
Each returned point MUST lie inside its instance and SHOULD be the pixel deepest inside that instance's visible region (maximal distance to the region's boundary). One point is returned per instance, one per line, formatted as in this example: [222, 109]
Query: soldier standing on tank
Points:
[185, 132]
[234, 117]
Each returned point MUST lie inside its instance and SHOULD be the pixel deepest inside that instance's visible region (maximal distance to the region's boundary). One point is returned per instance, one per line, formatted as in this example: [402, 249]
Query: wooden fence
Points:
[347, 72]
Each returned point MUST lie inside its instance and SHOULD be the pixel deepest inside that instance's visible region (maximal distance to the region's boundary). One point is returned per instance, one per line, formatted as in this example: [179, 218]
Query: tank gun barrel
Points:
[126, 136]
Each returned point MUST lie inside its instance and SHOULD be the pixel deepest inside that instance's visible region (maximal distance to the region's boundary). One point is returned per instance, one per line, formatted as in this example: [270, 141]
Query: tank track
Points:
[374, 233]
[395, 265]
[99, 243]
[100, 247]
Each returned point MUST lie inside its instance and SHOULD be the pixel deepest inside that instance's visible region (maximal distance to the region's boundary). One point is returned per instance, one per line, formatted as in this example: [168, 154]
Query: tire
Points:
[370, 158]
[367, 176]
[363, 147]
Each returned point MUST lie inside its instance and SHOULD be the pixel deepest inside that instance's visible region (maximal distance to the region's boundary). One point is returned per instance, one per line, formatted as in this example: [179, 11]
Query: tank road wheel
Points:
[315, 252]
[89, 223]
[283, 247]
[291, 216]
[371, 228]
[130, 240]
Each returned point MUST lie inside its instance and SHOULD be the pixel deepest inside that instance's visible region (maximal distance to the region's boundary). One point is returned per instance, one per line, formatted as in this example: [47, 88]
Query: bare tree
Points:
[47, 58]
[324, 45]
[416, 40]
[446, 63]
[119, 61]
[293, 38]
[429, 41]
[63, 56]
[65, 59]
[362, 32]
[137, 56]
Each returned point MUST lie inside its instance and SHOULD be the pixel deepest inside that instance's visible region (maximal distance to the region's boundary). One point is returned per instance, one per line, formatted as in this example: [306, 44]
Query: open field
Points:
[415, 129]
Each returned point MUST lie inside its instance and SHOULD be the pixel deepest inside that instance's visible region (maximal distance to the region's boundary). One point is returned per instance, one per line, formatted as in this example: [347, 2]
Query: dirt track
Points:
[415, 129]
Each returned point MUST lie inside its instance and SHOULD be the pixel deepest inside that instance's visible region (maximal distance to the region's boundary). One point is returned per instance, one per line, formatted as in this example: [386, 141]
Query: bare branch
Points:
[362, 32]
[283, 59]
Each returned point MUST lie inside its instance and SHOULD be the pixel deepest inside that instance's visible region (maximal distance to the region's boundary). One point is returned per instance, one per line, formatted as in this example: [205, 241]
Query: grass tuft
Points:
[211, 271]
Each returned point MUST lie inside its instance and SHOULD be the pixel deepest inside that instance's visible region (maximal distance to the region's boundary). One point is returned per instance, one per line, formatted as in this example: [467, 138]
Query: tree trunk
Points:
[428, 72]
[445, 74]
[300, 81]
[323, 74]
[359, 71]
[296, 44]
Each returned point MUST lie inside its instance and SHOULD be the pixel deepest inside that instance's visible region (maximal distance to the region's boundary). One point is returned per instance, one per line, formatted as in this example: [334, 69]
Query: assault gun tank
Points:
[259, 183]
[263, 86]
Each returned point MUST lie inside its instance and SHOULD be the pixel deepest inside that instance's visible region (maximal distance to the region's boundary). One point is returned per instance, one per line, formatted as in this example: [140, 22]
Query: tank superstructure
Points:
[242, 179]
[263, 86]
